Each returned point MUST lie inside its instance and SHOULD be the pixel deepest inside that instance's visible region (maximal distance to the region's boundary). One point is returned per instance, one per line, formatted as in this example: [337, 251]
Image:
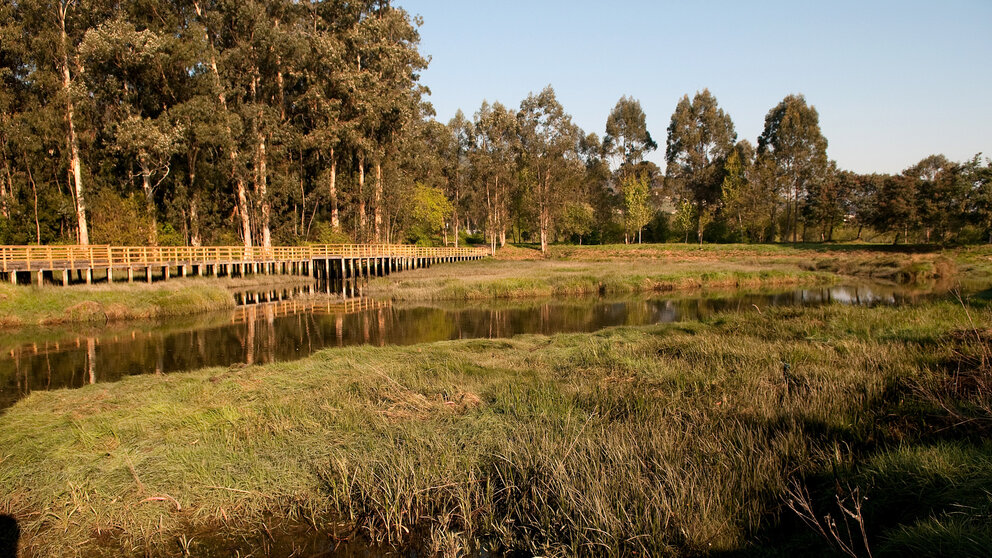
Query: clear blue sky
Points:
[893, 81]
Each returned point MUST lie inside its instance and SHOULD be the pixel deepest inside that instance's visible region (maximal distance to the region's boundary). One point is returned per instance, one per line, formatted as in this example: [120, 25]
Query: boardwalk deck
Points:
[330, 260]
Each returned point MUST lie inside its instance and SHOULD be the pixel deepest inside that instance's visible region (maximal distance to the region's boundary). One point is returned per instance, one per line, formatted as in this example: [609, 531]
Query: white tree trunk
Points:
[333, 190]
[75, 164]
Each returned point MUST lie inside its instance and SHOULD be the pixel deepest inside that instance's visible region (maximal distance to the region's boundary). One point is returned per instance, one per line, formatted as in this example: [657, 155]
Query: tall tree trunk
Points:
[75, 164]
[146, 186]
[240, 190]
[194, 213]
[242, 194]
[454, 215]
[194, 222]
[361, 199]
[34, 190]
[377, 200]
[333, 191]
[6, 188]
[261, 186]
[545, 215]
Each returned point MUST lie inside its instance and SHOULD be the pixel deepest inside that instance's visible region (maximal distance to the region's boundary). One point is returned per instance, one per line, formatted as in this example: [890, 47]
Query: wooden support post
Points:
[89, 275]
[182, 270]
[65, 277]
[13, 277]
[110, 275]
[41, 277]
[130, 275]
[165, 272]
[148, 273]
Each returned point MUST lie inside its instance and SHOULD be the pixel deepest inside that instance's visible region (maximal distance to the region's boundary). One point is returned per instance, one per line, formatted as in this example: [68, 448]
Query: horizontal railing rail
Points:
[21, 258]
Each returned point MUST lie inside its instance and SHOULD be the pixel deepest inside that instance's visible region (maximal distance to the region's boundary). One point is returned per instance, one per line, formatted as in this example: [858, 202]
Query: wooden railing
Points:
[22, 258]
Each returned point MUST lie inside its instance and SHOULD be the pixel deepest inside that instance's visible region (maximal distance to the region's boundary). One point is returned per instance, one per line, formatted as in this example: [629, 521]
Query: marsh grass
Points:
[659, 440]
[32, 305]
[502, 279]
[519, 272]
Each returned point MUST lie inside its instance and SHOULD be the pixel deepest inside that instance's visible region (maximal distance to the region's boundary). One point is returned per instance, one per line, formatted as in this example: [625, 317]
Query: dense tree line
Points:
[274, 121]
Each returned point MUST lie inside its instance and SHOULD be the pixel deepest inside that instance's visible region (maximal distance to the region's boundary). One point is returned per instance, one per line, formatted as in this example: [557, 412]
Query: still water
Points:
[281, 325]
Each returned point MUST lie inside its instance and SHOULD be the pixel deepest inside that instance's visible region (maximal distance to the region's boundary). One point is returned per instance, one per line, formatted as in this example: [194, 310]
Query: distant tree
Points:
[460, 129]
[636, 205]
[700, 136]
[493, 155]
[745, 198]
[796, 152]
[941, 195]
[549, 156]
[895, 206]
[577, 220]
[979, 179]
[685, 216]
[827, 201]
[431, 208]
[627, 138]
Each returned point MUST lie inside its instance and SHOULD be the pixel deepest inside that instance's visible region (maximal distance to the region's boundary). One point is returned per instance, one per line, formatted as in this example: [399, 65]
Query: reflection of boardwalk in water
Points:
[290, 307]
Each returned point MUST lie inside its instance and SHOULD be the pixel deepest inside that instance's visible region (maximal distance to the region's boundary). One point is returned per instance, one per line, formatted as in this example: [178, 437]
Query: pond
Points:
[286, 324]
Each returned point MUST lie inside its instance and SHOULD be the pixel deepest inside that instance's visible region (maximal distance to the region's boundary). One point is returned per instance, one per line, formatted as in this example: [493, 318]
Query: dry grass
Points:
[679, 439]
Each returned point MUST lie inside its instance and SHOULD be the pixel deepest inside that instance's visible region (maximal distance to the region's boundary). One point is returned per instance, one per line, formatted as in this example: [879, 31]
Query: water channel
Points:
[285, 324]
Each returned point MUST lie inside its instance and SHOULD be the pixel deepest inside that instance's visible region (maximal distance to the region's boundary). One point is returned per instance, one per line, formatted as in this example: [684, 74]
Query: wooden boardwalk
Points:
[57, 264]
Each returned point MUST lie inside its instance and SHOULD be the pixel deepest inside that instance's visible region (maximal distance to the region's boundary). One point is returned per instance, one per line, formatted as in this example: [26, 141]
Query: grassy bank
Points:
[45, 306]
[619, 269]
[23, 305]
[687, 438]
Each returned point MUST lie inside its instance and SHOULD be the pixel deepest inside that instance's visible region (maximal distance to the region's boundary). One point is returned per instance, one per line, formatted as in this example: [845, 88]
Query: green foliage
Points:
[577, 220]
[324, 233]
[685, 217]
[431, 208]
[636, 204]
[168, 236]
[118, 220]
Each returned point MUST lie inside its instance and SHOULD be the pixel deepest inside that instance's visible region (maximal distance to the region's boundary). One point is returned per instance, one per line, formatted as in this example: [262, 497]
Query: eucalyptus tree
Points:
[828, 201]
[52, 31]
[328, 82]
[214, 18]
[132, 75]
[746, 199]
[627, 138]
[549, 156]
[493, 154]
[13, 69]
[459, 143]
[796, 152]
[383, 46]
[700, 136]
[979, 178]
[895, 206]
[941, 195]
[626, 142]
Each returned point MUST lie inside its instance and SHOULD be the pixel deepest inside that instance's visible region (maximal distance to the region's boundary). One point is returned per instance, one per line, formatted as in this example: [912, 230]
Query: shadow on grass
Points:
[920, 471]
[10, 534]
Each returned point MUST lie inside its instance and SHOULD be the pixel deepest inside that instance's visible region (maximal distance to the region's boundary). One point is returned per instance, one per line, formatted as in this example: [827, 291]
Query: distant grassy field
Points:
[690, 438]
[615, 269]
